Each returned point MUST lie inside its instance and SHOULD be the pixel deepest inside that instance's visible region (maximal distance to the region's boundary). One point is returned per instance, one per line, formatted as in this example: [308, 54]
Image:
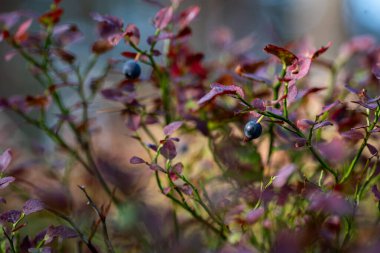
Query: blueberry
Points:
[131, 69]
[252, 130]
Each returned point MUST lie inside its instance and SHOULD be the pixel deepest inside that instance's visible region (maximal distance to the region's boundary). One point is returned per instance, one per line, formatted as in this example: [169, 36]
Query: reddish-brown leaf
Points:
[187, 16]
[322, 50]
[286, 57]
[218, 90]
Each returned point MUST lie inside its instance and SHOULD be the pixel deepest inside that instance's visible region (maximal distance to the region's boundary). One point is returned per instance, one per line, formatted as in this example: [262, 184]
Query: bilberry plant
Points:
[308, 183]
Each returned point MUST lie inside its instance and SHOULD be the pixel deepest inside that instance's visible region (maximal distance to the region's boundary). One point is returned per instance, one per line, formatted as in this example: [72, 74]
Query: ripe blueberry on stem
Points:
[253, 129]
[131, 69]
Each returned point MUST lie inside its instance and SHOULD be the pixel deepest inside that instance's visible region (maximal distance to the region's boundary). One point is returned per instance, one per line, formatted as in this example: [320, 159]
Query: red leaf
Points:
[133, 33]
[172, 127]
[163, 18]
[127, 54]
[322, 50]
[283, 54]
[218, 90]
[21, 34]
[188, 15]
[52, 17]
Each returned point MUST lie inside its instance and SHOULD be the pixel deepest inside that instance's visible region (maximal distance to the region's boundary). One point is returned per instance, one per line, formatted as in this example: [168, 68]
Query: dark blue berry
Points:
[131, 69]
[252, 130]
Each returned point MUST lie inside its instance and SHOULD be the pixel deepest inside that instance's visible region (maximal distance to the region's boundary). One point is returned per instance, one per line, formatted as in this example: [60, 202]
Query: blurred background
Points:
[265, 21]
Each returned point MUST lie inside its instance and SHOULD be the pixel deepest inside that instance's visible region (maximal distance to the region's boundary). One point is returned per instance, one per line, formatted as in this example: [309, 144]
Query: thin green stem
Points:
[83, 238]
[362, 146]
[102, 218]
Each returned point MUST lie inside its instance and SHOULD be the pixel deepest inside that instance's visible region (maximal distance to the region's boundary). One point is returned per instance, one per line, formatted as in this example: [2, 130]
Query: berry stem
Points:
[260, 119]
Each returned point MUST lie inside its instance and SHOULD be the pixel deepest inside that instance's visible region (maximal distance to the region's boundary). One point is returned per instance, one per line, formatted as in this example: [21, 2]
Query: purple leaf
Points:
[178, 168]
[186, 189]
[108, 26]
[59, 231]
[283, 175]
[304, 93]
[376, 192]
[259, 104]
[322, 124]
[152, 147]
[133, 33]
[136, 160]
[5, 160]
[9, 19]
[333, 150]
[133, 121]
[10, 216]
[373, 100]
[5, 181]
[329, 203]
[163, 18]
[168, 150]
[283, 54]
[66, 34]
[218, 90]
[371, 106]
[156, 167]
[254, 215]
[376, 70]
[172, 127]
[372, 149]
[112, 94]
[354, 135]
[32, 206]
[328, 107]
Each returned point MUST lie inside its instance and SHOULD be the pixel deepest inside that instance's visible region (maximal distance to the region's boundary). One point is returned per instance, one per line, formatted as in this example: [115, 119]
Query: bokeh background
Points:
[261, 21]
